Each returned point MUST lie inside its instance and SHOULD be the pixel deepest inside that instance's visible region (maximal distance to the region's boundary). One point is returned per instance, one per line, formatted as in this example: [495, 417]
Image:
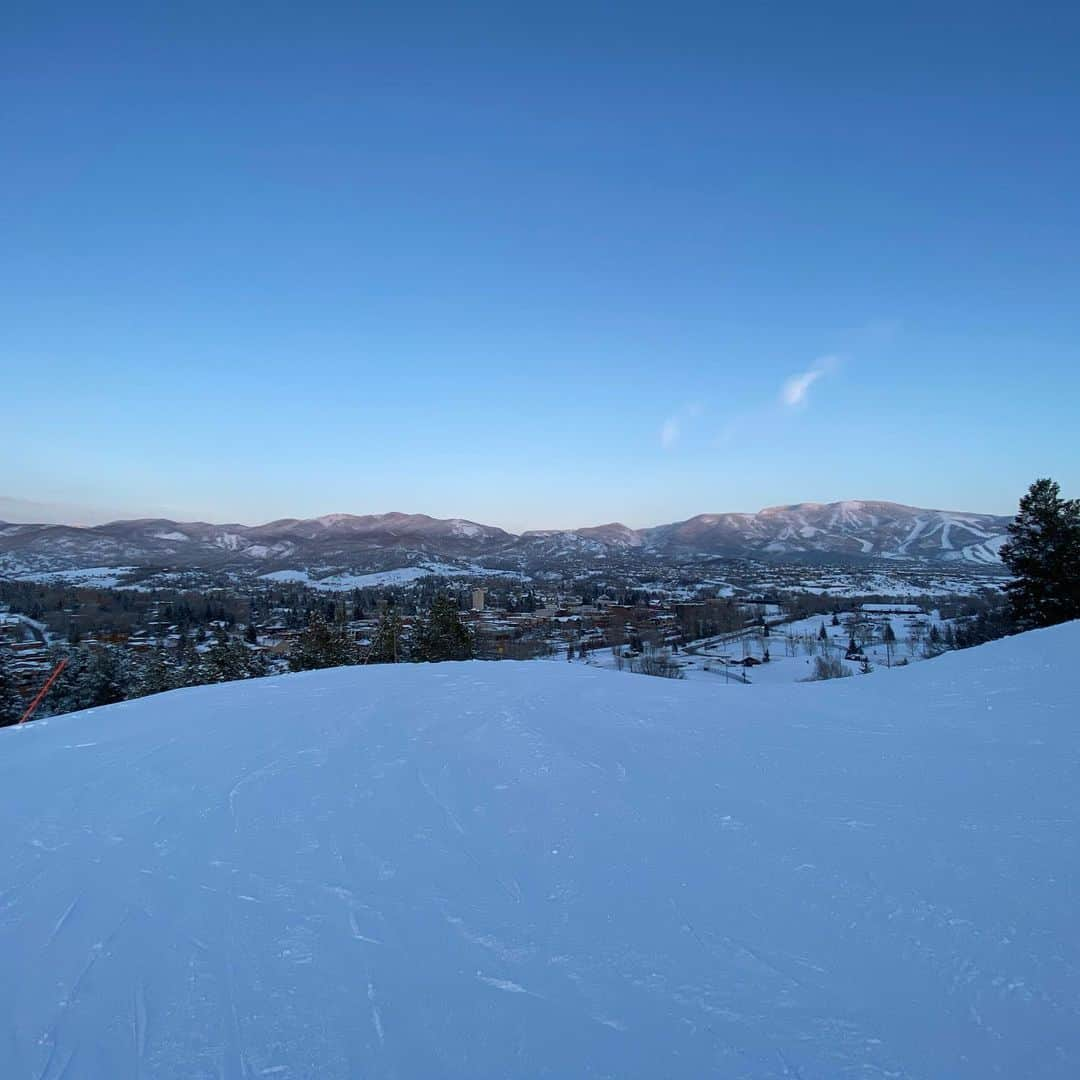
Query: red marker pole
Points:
[43, 691]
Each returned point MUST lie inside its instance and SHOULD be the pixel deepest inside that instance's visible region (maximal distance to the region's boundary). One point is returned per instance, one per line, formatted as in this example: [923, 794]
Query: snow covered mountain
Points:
[880, 529]
[526, 870]
[595, 541]
[290, 543]
[847, 529]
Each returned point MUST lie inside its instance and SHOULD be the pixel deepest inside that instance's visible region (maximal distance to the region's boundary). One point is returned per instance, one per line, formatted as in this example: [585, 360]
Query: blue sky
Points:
[537, 265]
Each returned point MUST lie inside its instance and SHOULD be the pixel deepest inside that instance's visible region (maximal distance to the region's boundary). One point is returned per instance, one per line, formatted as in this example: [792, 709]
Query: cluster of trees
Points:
[73, 612]
[323, 644]
[440, 636]
[96, 676]
[712, 617]
[657, 662]
[104, 676]
[443, 636]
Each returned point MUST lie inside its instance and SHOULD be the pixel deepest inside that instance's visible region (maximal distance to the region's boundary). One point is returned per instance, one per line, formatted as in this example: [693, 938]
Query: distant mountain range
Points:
[849, 530]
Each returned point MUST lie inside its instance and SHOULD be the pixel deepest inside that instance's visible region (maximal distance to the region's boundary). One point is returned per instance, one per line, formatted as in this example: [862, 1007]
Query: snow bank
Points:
[522, 870]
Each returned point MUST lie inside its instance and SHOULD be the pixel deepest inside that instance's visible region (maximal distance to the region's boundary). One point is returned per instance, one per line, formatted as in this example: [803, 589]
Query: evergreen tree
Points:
[444, 636]
[11, 705]
[1043, 554]
[90, 680]
[188, 669]
[823, 634]
[988, 625]
[256, 665]
[156, 675]
[386, 644]
[111, 678]
[68, 693]
[229, 659]
[322, 645]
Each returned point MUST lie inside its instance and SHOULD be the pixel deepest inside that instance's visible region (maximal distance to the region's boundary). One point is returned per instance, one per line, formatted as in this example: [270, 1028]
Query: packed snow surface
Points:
[543, 870]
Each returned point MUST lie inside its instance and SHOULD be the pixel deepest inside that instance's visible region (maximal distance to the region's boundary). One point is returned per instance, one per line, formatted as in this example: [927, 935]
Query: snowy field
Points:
[544, 870]
[89, 577]
[899, 582]
[792, 648]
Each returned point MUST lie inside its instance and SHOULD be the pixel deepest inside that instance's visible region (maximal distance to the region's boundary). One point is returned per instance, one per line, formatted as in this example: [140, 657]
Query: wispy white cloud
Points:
[796, 388]
[793, 396]
[671, 430]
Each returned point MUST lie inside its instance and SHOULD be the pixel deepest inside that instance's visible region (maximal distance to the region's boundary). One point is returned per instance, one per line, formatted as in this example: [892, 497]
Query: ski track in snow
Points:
[63, 919]
[542, 869]
[376, 1017]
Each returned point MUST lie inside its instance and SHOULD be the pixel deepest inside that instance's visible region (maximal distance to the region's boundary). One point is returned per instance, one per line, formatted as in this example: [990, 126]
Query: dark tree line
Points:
[440, 636]
[104, 675]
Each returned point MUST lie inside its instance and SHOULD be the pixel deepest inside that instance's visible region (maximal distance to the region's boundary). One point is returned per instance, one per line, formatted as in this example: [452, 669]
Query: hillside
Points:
[523, 870]
[867, 529]
[380, 542]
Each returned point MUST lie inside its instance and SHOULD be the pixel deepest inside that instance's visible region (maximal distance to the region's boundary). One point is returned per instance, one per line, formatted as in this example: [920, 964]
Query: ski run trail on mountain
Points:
[542, 870]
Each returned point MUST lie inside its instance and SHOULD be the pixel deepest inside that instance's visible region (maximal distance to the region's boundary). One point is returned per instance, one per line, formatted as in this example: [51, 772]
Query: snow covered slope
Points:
[854, 528]
[527, 870]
